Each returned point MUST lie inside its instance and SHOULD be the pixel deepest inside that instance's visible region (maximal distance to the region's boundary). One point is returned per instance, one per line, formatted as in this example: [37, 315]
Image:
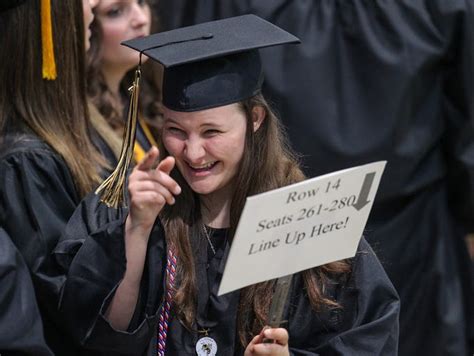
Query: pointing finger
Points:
[149, 160]
[167, 165]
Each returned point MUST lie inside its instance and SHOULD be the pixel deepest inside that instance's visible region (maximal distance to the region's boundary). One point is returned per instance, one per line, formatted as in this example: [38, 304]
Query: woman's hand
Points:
[150, 189]
[278, 347]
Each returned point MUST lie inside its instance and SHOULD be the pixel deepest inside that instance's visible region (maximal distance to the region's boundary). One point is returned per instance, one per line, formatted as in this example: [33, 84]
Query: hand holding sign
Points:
[279, 346]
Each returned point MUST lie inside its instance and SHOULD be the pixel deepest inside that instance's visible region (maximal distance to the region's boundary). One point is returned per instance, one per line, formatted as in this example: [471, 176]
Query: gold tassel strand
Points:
[47, 47]
[112, 190]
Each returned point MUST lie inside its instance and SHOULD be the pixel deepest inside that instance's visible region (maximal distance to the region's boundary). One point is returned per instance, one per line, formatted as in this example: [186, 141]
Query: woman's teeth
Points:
[204, 166]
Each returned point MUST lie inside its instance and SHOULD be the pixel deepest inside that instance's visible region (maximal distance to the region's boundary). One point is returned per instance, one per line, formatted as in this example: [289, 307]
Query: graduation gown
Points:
[384, 80]
[37, 197]
[21, 329]
[92, 250]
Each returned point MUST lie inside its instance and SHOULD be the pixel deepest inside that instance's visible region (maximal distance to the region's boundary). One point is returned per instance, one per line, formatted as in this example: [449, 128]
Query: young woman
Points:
[50, 155]
[110, 67]
[149, 274]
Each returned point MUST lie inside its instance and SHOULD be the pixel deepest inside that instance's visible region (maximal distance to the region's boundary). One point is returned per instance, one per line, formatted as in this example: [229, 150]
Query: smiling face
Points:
[122, 20]
[208, 146]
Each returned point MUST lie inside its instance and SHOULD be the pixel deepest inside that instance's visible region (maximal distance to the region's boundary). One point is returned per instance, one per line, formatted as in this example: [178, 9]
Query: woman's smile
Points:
[202, 170]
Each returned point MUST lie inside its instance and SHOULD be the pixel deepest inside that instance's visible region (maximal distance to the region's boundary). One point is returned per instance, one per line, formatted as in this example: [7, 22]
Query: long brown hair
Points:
[55, 110]
[268, 163]
[108, 105]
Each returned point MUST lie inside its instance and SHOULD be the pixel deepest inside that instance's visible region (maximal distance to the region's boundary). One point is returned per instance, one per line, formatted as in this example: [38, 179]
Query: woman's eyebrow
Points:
[168, 119]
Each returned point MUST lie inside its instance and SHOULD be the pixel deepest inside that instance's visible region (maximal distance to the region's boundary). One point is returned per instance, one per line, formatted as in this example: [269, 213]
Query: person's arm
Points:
[150, 189]
[92, 251]
[104, 264]
[122, 306]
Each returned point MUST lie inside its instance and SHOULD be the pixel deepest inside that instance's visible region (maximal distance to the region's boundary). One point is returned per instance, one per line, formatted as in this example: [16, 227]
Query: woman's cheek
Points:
[172, 145]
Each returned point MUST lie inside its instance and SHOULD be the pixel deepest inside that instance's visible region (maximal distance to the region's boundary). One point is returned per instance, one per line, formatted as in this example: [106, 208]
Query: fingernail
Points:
[177, 190]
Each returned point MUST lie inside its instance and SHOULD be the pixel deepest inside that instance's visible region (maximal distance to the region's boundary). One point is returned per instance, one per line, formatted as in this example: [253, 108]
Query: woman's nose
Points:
[194, 151]
[93, 3]
[141, 15]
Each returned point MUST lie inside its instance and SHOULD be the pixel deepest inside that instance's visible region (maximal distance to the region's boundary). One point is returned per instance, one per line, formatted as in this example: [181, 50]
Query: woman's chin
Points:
[202, 189]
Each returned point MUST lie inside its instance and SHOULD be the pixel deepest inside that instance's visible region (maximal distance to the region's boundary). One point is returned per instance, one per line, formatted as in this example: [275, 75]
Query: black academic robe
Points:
[384, 80]
[37, 198]
[21, 329]
[93, 251]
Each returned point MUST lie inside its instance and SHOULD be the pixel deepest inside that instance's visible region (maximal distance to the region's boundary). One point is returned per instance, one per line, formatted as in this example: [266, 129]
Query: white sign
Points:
[301, 226]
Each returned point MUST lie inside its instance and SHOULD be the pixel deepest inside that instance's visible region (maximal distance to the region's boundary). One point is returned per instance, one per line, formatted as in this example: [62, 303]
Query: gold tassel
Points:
[49, 63]
[112, 190]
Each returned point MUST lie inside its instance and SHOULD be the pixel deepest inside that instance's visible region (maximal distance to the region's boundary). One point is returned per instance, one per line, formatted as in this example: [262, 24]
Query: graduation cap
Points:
[206, 65]
[213, 63]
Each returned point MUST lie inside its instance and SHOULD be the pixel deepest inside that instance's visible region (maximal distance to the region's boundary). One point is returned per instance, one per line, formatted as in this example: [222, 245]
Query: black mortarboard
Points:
[207, 65]
[211, 64]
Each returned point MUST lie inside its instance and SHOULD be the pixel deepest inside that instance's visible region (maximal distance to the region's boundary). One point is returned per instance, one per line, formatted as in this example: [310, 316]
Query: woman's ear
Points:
[258, 115]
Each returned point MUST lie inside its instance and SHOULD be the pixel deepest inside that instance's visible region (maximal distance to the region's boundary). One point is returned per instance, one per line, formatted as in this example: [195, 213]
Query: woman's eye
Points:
[114, 12]
[142, 2]
[174, 130]
[211, 132]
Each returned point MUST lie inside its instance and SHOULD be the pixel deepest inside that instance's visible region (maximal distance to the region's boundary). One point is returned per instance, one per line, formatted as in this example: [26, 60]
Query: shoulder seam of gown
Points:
[21, 151]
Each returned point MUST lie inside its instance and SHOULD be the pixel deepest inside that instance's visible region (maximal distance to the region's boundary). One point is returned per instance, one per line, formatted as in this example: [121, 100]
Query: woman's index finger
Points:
[166, 165]
[150, 159]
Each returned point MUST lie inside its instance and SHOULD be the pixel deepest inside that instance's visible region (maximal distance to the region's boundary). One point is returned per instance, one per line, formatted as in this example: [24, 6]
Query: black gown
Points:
[384, 80]
[92, 250]
[21, 329]
[37, 198]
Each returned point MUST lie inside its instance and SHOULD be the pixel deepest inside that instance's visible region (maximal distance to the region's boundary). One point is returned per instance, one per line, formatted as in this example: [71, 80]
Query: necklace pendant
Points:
[206, 346]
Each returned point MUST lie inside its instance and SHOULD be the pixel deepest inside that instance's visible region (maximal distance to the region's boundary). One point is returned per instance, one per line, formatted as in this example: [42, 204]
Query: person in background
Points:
[220, 143]
[110, 68]
[385, 80]
[50, 154]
